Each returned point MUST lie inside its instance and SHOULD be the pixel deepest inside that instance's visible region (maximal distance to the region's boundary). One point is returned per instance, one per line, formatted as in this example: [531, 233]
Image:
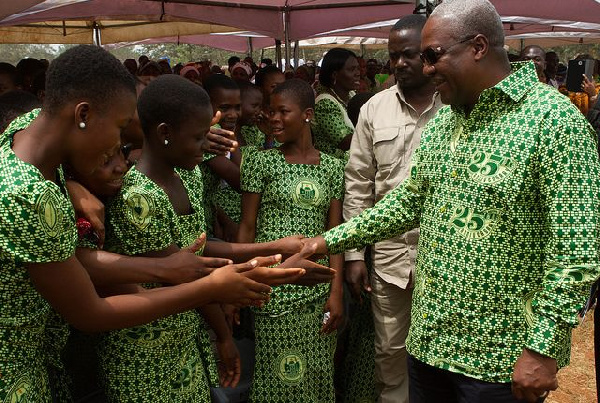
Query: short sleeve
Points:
[138, 222]
[37, 224]
[252, 171]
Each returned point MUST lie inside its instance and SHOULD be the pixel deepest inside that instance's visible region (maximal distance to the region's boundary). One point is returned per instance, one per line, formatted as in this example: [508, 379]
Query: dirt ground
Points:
[577, 382]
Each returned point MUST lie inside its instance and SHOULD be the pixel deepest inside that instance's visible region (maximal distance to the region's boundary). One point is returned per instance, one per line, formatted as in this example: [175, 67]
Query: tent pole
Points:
[286, 34]
[250, 50]
[296, 54]
[522, 44]
[362, 50]
[278, 53]
[96, 34]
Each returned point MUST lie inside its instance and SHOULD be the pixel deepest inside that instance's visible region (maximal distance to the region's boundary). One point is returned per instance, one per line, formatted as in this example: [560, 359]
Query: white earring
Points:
[166, 142]
[82, 125]
[307, 120]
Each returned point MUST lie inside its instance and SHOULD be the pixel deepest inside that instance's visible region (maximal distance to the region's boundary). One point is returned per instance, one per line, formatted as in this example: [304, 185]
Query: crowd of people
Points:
[425, 229]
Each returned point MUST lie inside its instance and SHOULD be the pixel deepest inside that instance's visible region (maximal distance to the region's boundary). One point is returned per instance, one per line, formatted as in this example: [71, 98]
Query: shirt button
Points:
[454, 174]
[424, 316]
[434, 244]
[443, 209]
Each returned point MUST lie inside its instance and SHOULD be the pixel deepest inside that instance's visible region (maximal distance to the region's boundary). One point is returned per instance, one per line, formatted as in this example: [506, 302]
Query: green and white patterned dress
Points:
[294, 362]
[37, 225]
[160, 361]
[253, 136]
[210, 182]
[331, 125]
[229, 199]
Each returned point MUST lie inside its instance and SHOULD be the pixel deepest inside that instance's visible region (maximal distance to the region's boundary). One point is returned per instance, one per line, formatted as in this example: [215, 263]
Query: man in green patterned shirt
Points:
[505, 187]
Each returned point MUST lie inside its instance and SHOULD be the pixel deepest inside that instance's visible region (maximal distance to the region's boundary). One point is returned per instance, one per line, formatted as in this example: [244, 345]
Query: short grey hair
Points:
[472, 17]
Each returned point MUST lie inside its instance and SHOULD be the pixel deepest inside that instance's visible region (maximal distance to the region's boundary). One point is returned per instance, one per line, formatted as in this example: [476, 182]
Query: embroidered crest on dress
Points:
[306, 193]
[487, 168]
[140, 209]
[49, 214]
[474, 225]
[290, 366]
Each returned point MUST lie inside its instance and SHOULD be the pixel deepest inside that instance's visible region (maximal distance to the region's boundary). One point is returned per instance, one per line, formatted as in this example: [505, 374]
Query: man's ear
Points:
[481, 46]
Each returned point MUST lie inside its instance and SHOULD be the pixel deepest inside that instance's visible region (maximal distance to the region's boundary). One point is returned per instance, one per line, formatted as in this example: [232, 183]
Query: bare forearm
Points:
[215, 318]
[124, 311]
[106, 268]
[337, 263]
[240, 252]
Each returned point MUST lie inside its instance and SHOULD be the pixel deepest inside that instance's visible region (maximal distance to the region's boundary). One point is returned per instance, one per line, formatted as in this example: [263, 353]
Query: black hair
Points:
[266, 61]
[299, 90]
[333, 61]
[246, 87]
[356, 103]
[232, 61]
[9, 70]
[265, 72]
[15, 103]
[86, 72]
[28, 68]
[219, 81]
[169, 99]
[39, 83]
[412, 21]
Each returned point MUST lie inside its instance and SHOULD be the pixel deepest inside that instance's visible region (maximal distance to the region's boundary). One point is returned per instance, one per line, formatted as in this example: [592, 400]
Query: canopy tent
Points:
[72, 21]
[244, 42]
[278, 19]
[550, 39]
[103, 31]
[11, 7]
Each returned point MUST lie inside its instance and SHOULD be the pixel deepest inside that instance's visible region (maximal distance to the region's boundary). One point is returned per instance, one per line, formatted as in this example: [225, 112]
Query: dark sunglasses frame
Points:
[431, 55]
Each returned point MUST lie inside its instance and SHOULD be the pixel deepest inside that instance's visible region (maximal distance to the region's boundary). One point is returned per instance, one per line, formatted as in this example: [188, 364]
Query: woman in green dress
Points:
[90, 98]
[338, 81]
[289, 190]
[157, 212]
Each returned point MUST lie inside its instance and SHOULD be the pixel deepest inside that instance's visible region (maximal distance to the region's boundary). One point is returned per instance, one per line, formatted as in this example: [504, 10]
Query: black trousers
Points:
[429, 384]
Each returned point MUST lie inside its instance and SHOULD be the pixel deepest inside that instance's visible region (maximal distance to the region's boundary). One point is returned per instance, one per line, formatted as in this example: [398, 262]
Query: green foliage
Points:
[184, 53]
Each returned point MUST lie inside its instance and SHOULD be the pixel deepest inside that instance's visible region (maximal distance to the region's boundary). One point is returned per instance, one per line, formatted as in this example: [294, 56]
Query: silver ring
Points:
[544, 395]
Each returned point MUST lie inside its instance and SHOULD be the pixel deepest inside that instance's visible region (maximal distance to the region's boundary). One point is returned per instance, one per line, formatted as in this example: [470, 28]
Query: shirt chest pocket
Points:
[389, 147]
[498, 174]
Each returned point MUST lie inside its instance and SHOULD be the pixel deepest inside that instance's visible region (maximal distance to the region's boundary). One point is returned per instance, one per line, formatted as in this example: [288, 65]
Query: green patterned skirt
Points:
[294, 361]
[158, 362]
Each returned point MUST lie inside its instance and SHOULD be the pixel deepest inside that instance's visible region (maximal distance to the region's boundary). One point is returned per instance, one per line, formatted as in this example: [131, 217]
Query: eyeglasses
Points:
[431, 55]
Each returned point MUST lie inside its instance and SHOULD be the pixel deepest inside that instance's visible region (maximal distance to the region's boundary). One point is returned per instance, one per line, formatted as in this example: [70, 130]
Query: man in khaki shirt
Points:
[388, 131]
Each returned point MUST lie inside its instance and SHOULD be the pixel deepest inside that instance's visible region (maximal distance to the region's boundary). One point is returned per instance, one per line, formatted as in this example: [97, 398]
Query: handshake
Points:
[249, 283]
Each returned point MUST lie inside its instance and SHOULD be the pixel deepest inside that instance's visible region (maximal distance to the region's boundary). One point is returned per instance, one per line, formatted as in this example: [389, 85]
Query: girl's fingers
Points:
[215, 262]
[264, 261]
[244, 267]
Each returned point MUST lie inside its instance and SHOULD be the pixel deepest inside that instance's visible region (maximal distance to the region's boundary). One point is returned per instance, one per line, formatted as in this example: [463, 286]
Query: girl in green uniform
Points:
[289, 190]
[90, 98]
[157, 212]
[153, 216]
